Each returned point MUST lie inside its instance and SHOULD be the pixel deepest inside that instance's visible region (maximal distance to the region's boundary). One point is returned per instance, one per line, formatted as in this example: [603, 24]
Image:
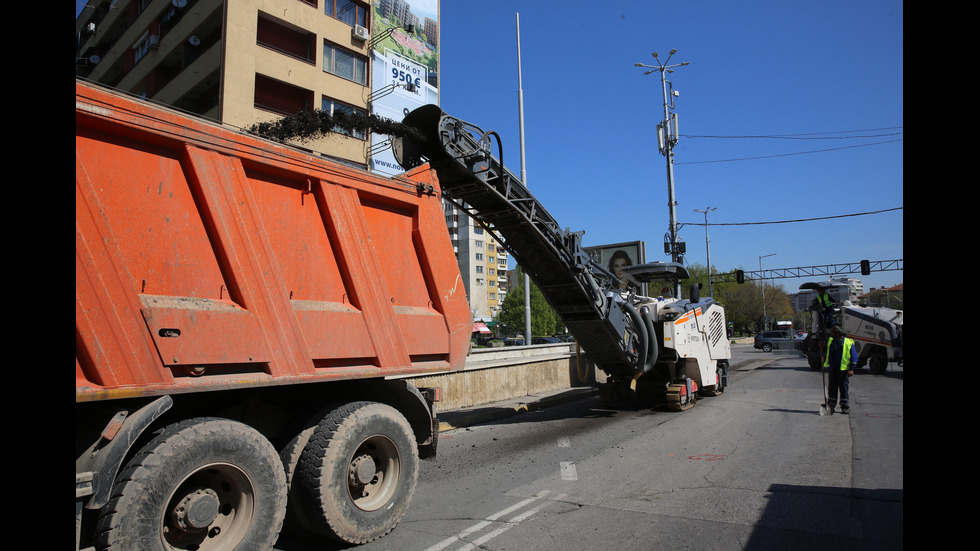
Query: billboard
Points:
[618, 255]
[405, 68]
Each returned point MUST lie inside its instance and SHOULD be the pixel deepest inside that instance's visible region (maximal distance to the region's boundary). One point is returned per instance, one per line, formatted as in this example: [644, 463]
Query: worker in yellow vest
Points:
[840, 361]
[825, 305]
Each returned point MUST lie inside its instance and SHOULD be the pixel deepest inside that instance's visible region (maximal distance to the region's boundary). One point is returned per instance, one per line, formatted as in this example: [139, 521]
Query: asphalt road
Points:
[757, 468]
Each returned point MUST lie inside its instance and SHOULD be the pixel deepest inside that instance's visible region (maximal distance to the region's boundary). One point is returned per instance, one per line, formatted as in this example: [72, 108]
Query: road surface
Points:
[757, 468]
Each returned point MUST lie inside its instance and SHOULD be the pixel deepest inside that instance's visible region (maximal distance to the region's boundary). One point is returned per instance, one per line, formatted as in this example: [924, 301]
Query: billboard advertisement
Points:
[616, 256]
[405, 62]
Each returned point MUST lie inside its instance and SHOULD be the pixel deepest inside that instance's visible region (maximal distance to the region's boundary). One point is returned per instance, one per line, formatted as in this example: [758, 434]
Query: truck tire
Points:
[290, 454]
[357, 474]
[202, 484]
[814, 361]
[878, 362]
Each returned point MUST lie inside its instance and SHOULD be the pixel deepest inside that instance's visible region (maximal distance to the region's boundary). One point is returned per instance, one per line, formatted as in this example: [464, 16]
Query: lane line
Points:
[510, 524]
[483, 524]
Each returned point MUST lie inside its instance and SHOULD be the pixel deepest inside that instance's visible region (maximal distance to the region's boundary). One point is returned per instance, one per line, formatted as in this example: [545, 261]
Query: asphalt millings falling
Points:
[306, 126]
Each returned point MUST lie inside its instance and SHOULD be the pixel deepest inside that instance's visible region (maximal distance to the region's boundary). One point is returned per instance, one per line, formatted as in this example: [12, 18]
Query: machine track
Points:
[679, 399]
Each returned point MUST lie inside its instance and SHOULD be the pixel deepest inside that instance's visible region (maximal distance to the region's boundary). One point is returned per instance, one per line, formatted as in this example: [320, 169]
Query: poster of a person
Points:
[615, 257]
[619, 260]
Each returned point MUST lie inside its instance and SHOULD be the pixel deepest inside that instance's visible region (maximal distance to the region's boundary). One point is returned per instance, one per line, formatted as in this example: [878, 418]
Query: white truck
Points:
[877, 334]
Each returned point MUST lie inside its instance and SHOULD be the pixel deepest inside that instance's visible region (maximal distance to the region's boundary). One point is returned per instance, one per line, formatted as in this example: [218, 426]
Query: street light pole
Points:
[520, 110]
[764, 290]
[707, 246]
[666, 139]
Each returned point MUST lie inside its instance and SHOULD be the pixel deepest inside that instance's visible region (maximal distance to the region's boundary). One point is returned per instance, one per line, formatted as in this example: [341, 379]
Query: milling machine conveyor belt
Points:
[472, 177]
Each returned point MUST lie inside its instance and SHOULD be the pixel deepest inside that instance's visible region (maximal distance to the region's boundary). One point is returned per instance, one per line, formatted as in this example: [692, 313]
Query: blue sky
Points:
[831, 70]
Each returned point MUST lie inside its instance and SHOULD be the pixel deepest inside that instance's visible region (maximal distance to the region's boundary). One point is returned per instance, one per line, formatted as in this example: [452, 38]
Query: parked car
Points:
[767, 340]
[545, 340]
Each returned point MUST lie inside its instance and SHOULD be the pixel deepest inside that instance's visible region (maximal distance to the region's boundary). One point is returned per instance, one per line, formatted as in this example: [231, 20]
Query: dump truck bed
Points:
[207, 258]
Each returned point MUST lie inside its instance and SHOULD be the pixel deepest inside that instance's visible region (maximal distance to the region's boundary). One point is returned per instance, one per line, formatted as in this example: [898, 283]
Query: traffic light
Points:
[865, 267]
[739, 276]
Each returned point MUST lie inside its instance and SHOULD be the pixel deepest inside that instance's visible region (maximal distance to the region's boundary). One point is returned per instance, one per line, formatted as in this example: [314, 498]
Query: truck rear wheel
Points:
[203, 484]
[357, 474]
[878, 362]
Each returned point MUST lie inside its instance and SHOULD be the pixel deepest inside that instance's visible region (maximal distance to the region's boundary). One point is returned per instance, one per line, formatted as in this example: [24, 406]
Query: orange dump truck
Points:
[245, 316]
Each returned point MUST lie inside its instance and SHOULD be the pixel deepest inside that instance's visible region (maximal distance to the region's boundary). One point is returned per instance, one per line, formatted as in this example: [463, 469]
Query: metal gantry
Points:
[812, 271]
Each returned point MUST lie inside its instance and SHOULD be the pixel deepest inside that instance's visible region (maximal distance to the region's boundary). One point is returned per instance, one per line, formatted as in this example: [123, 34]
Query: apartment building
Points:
[239, 61]
[482, 261]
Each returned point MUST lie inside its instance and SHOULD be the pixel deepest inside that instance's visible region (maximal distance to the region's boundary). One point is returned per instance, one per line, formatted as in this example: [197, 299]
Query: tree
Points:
[544, 320]
[743, 302]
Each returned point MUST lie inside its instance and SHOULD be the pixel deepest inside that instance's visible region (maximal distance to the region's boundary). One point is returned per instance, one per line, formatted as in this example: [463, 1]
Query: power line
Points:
[795, 220]
[808, 135]
[787, 154]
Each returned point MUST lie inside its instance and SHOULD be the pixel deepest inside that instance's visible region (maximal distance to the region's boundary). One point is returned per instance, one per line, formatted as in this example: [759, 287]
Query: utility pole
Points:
[667, 135]
[707, 245]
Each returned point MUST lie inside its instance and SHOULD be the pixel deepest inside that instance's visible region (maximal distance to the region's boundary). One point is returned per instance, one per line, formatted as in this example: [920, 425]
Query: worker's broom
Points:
[824, 410]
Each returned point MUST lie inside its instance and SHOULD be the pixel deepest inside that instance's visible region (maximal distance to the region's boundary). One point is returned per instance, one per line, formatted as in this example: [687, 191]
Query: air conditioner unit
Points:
[360, 33]
[154, 42]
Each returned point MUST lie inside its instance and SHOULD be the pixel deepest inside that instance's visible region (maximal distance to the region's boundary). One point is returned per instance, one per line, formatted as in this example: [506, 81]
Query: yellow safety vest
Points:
[824, 300]
[845, 357]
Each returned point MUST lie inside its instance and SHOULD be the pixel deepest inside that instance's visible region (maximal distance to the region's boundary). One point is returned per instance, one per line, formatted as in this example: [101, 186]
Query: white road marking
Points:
[568, 472]
[490, 520]
[510, 524]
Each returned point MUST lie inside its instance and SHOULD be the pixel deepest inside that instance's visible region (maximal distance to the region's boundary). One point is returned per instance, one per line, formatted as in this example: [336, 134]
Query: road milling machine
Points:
[877, 333]
[661, 350]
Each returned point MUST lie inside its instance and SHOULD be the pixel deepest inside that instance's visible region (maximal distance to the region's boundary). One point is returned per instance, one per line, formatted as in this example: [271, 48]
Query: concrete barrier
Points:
[496, 374]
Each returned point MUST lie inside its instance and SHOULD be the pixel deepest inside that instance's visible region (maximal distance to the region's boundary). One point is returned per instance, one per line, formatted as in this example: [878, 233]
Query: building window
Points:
[344, 64]
[332, 107]
[278, 36]
[479, 256]
[478, 244]
[348, 11]
[280, 97]
[144, 45]
[479, 269]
